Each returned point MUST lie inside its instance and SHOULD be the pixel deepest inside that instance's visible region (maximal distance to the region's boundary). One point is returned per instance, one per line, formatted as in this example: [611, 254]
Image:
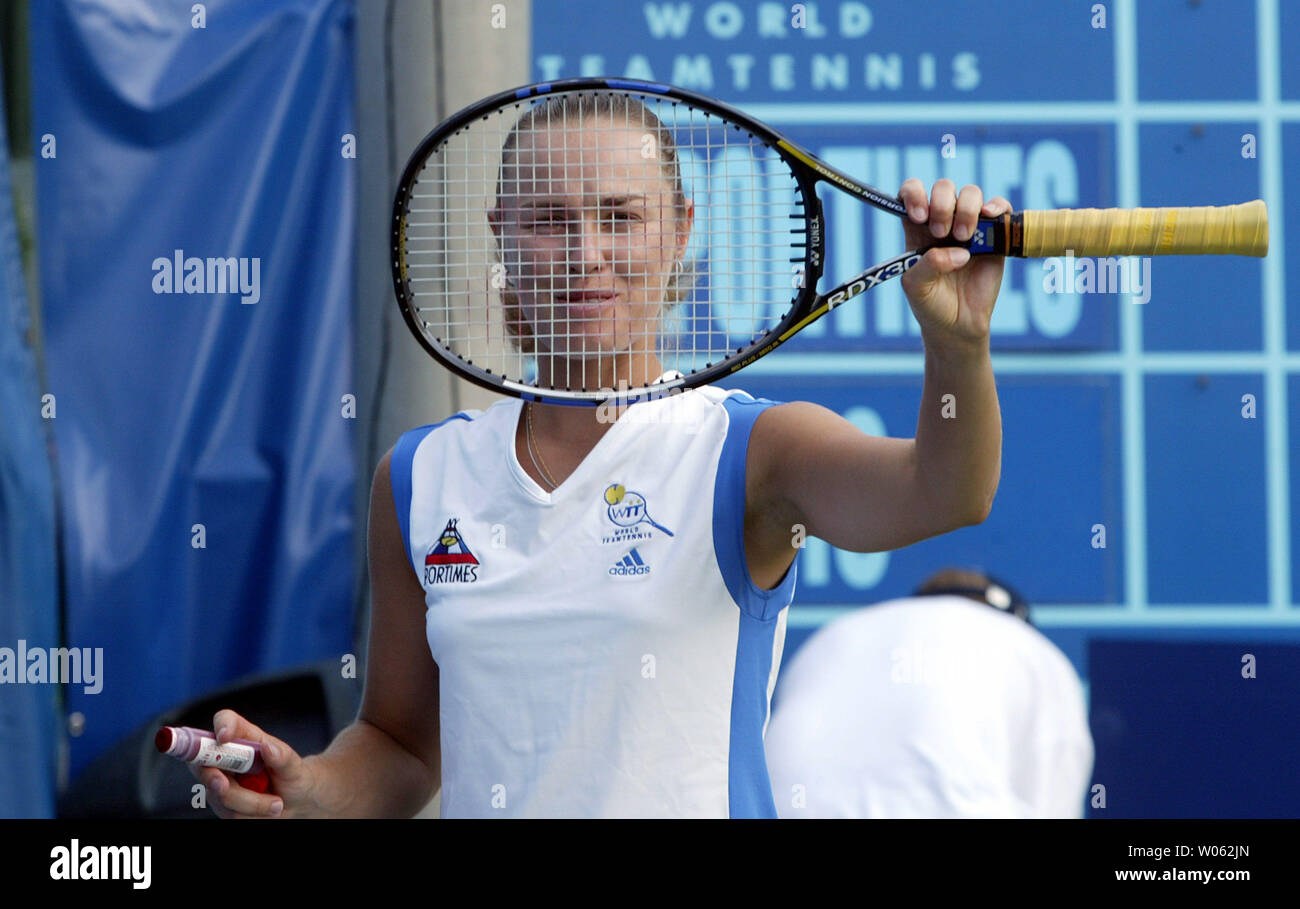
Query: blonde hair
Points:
[576, 108]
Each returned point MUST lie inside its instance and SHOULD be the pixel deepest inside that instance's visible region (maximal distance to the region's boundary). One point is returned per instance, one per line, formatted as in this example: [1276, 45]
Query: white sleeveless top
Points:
[602, 650]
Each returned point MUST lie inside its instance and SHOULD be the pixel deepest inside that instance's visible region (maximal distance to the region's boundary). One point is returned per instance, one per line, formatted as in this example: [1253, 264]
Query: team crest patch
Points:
[628, 512]
[450, 561]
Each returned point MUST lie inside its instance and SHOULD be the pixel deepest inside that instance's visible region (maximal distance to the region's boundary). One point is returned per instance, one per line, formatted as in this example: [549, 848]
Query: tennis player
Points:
[578, 616]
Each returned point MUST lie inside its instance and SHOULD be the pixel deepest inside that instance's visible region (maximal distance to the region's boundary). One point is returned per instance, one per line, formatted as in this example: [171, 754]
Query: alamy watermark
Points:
[183, 274]
[75, 862]
[1114, 275]
[52, 665]
[666, 407]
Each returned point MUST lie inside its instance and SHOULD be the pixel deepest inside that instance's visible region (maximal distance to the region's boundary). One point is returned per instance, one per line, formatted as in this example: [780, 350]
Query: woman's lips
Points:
[586, 303]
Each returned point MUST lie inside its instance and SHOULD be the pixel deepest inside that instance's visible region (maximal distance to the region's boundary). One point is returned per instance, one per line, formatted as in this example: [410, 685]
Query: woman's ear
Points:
[684, 230]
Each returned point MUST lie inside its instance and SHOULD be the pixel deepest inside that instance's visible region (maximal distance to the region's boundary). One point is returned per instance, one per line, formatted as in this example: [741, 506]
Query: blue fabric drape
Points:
[28, 579]
[205, 446]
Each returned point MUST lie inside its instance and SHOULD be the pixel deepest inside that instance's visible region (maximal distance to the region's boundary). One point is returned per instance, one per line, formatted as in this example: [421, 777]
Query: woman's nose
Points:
[586, 248]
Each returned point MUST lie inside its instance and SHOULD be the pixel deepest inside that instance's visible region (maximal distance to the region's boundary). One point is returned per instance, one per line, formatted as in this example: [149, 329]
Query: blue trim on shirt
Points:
[729, 515]
[399, 473]
[749, 787]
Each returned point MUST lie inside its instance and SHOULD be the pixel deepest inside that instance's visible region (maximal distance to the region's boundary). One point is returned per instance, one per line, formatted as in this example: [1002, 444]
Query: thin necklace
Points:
[528, 437]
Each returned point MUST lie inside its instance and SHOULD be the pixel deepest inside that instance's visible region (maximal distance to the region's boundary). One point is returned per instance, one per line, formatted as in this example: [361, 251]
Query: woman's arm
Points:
[388, 763]
[808, 466]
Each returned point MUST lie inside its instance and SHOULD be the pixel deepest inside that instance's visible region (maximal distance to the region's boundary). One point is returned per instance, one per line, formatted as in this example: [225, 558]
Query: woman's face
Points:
[590, 236]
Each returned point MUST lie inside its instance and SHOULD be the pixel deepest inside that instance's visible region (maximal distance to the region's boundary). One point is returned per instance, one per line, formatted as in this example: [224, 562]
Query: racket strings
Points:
[549, 243]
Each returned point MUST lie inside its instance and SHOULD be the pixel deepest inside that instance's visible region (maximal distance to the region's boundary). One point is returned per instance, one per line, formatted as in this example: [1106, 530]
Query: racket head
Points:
[542, 257]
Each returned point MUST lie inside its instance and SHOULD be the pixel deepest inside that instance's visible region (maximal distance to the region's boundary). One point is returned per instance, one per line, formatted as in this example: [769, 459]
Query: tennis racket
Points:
[560, 241]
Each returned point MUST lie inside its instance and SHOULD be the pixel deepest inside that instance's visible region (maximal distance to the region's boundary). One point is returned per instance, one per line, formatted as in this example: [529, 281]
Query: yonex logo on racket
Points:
[814, 244]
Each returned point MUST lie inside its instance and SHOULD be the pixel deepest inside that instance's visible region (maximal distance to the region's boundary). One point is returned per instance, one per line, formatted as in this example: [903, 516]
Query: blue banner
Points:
[197, 187]
[1136, 448]
[1043, 528]
[1033, 166]
[840, 51]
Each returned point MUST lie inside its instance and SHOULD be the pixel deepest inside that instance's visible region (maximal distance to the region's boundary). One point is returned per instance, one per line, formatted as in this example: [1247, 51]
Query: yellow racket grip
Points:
[1240, 230]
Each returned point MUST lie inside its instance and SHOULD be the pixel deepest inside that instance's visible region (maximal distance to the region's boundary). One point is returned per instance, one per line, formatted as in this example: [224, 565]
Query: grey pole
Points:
[417, 62]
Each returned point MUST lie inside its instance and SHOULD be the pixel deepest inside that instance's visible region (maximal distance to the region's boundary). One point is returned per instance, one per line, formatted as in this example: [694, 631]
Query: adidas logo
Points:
[630, 565]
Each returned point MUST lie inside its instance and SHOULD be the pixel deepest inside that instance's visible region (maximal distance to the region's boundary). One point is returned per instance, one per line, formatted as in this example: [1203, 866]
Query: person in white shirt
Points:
[582, 618]
[933, 706]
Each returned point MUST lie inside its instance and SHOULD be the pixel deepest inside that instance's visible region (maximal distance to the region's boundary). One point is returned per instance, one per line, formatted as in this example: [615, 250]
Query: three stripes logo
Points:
[631, 565]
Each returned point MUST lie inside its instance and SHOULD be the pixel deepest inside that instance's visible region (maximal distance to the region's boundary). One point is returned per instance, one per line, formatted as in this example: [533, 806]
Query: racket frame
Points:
[991, 237]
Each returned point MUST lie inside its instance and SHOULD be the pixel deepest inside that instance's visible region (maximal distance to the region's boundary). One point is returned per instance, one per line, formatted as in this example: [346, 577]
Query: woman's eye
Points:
[622, 216]
[548, 219]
